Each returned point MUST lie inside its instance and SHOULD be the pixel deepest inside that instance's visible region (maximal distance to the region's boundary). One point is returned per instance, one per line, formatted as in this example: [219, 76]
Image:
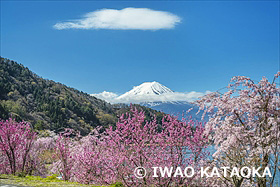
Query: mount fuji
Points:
[147, 88]
[158, 97]
[147, 92]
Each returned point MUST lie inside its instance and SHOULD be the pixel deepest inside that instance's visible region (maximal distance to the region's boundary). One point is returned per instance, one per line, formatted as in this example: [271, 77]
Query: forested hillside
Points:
[51, 105]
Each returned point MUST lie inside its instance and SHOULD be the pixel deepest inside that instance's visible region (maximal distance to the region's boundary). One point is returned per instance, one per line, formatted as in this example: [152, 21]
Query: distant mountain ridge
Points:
[179, 108]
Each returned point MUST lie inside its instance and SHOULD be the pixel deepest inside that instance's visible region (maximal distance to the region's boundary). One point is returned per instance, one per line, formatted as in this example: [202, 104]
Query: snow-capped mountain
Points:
[153, 92]
[156, 96]
[149, 92]
[147, 88]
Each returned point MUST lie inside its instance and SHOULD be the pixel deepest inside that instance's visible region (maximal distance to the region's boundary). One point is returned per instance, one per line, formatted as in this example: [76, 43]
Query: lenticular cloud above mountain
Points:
[149, 92]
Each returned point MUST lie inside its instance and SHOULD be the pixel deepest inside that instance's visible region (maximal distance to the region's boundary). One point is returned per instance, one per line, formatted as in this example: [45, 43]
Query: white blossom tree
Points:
[245, 125]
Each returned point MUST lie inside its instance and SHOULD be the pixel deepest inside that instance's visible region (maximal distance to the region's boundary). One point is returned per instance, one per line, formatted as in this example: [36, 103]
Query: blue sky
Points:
[214, 41]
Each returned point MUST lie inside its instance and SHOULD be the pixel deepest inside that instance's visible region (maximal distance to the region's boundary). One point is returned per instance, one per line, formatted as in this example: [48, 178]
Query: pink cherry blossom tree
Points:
[245, 125]
[95, 160]
[16, 142]
[64, 150]
[111, 156]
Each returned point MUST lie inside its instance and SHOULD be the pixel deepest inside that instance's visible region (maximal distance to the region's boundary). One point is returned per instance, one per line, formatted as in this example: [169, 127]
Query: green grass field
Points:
[39, 181]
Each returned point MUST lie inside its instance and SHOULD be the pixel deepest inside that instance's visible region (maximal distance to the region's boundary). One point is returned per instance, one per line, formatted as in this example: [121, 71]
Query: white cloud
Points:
[107, 96]
[125, 19]
[175, 96]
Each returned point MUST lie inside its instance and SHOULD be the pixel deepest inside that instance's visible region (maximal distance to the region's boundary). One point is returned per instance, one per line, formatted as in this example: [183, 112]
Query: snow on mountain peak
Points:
[147, 88]
[150, 92]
